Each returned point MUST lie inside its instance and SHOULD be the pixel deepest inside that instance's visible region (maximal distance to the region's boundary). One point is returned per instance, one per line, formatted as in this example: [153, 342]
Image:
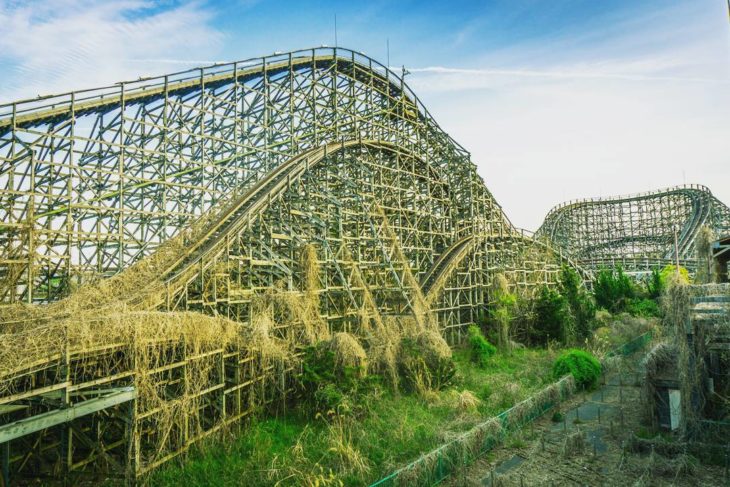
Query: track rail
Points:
[452, 257]
[453, 254]
[242, 210]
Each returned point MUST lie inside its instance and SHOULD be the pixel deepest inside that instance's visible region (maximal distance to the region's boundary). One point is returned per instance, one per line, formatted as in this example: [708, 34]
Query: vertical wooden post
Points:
[31, 230]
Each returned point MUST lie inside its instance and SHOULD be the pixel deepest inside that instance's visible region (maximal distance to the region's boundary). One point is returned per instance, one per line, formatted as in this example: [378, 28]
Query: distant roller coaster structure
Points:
[638, 232]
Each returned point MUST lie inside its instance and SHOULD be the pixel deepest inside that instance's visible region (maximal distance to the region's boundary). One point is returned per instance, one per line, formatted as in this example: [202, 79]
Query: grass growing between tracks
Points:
[370, 436]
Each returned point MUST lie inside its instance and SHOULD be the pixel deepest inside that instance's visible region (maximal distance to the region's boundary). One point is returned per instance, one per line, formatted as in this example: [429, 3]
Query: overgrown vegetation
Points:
[552, 319]
[479, 348]
[502, 310]
[362, 425]
[566, 313]
[370, 401]
[360, 444]
[584, 367]
[613, 289]
[425, 363]
[616, 292]
[655, 284]
[579, 303]
[333, 371]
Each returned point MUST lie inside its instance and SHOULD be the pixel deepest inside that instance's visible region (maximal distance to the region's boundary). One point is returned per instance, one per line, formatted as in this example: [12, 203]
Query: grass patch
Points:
[393, 430]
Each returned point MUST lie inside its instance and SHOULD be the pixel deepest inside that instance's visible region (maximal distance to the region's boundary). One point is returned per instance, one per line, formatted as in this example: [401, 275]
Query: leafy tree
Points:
[578, 301]
[502, 310]
[655, 284]
[613, 289]
[553, 320]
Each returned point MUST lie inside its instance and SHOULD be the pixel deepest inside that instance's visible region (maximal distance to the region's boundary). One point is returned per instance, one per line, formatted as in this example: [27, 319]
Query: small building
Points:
[663, 387]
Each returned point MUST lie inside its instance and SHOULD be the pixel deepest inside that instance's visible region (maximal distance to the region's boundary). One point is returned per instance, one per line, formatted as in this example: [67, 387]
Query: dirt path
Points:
[588, 445]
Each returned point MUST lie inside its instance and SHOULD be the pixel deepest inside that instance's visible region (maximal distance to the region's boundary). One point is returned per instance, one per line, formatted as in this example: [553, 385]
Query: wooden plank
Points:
[11, 408]
[34, 392]
[42, 421]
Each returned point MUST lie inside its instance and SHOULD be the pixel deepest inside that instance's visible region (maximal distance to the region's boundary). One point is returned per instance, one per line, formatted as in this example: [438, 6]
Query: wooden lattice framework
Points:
[640, 231]
[243, 165]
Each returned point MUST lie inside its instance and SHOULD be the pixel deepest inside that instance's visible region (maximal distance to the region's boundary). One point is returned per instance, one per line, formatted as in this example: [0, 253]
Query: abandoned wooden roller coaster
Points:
[169, 246]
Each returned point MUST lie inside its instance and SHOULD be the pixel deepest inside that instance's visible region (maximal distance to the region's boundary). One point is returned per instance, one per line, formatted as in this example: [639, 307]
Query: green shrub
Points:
[552, 318]
[613, 289]
[425, 363]
[480, 350]
[643, 307]
[655, 284]
[326, 386]
[583, 366]
[502, 310]
[485, 391]
[670, 270]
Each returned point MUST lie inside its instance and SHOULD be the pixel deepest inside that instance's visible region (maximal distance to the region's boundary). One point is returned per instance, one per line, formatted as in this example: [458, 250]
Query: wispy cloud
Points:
[51, 46]
[559, 74]
[637, 104]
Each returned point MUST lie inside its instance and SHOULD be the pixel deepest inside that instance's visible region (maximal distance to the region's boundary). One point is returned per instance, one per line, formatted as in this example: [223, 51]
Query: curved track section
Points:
[514, 255]
[211, 241]
[639, 231]
[94, 180]
[447, 260]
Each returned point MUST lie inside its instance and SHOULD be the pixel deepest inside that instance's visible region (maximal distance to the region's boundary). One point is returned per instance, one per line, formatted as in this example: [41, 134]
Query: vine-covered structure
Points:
[156, 236]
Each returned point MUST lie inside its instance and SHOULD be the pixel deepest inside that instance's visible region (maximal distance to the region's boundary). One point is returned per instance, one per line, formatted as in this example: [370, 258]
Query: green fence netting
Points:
[631, 346]
[438, 464]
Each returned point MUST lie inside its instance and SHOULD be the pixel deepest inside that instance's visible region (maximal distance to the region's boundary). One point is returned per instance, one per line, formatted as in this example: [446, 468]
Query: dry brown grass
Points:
[574, 443]
[419, 306]
[147, 340]
[467, 401]
[348, 353]
[348, 459]
[703, 250]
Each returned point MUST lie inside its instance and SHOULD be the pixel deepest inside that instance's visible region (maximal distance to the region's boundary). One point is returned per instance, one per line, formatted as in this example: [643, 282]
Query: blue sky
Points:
[555, 99]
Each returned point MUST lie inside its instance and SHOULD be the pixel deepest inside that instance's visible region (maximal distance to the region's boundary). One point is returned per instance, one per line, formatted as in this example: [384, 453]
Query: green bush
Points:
[421, 365]
[480, 350]
[655, 284]
[613, 289]
[583, 366]
[324, 386]
[643, 307]
[553, 319]
[670, 270]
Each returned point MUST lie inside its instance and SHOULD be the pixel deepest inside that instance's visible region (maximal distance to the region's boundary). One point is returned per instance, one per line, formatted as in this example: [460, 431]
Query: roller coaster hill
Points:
[162, 238]
[638, 232]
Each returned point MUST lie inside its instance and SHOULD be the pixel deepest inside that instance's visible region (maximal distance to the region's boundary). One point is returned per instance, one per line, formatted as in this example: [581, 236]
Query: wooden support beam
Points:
[40, 422]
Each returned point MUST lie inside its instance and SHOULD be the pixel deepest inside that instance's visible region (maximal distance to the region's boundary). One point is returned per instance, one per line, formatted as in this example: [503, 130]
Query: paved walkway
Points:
[587, 424]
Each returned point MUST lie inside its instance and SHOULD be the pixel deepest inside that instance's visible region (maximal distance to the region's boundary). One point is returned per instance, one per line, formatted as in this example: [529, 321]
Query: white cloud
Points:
[449, 79]
[51, 46]
[585, 122]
